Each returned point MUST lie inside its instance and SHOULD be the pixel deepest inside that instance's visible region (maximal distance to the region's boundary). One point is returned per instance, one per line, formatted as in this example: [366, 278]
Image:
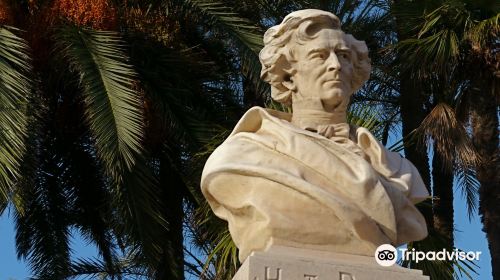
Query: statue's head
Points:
[308, 56]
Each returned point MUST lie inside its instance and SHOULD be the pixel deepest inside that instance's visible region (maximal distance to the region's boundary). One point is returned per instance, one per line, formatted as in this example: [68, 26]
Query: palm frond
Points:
[3, 206]
[409, 15]
[93, 215]
[223, 256]
[397, 146]
[95, 268]
[37, 114]
[244, 35]
[223, 16]
[433, 40]
[115, 117]
[213, 143]
[251, 66]
[366, 116]
[450, 137]
[140, 219]
[273, 11]
[42, 231]
[15, 89]
[213, 240]
[178, 106]
[431, 52]
[465, 269]
[469, 187]
[113, 108]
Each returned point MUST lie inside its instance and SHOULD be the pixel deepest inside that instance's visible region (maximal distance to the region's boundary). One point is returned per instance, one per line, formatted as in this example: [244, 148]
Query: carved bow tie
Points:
[334, 130]
[339, 133]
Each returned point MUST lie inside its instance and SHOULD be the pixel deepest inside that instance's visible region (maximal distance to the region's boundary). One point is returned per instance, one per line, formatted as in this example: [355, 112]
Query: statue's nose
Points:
[333, 62]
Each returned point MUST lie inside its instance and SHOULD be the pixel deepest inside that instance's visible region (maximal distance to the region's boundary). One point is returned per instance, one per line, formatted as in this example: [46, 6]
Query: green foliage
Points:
[113, 108]
[224, 19]
[365, 115]
[95, 268]
[15, 89]
[469, 188]
[245, 36]
[442, 29]
[446, 48]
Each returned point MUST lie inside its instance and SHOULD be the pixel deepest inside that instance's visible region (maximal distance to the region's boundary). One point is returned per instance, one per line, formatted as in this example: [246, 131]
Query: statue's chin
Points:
[334, 97]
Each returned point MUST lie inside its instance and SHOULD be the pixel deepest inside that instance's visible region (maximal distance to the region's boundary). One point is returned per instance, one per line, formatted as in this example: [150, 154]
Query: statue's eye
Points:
[319, 55]
[344, 55]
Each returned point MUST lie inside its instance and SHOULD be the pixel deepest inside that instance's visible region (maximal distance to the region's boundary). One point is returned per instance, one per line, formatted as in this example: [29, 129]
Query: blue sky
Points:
[13, 269]
[470, 237]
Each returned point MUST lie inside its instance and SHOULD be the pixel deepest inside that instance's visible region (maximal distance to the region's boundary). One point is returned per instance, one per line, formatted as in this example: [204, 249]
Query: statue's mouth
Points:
[335, 82]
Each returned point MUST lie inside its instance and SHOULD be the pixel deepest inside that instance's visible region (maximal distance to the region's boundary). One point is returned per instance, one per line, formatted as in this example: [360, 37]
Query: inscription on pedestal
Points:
[317, 265]
[267, 273]
[346, 276]
[278, 273]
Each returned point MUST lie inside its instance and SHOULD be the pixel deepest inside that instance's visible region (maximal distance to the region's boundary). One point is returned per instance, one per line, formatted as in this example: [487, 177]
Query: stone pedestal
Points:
[284, 263]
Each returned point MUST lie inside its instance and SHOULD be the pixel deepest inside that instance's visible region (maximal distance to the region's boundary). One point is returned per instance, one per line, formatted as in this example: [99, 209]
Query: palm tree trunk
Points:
[484, 119]
[171, 266]
[411, 102]
[442, 206]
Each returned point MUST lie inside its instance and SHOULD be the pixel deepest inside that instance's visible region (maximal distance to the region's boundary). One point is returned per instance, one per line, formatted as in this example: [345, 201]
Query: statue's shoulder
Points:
[257, 134]
[252, 120]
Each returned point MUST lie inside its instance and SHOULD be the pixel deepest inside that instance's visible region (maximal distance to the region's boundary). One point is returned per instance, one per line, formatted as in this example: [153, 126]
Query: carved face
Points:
[324, 69]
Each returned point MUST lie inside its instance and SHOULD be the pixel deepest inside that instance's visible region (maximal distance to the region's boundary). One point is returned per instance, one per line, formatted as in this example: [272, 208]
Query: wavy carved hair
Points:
[297, 28]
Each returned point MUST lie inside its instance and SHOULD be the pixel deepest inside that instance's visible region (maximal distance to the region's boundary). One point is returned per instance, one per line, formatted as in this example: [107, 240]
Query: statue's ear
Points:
[288, 81]
[289, 84]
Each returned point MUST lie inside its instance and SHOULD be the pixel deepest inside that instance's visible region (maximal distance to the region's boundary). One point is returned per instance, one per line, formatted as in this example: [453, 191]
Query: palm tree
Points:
[444, 47]
[123, 93]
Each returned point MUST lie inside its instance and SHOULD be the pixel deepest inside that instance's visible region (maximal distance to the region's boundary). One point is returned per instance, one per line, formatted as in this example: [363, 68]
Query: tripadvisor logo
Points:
[387, 255]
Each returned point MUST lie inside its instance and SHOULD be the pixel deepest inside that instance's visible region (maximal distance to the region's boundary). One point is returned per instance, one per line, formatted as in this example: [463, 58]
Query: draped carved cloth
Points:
[279, 184]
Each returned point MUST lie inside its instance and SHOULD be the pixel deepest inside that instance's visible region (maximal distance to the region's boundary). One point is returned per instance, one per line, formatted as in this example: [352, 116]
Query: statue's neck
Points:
[310, 113]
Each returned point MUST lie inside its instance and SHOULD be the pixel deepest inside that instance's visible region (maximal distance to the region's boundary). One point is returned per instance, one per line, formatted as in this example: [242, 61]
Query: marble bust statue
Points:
[309, 179]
